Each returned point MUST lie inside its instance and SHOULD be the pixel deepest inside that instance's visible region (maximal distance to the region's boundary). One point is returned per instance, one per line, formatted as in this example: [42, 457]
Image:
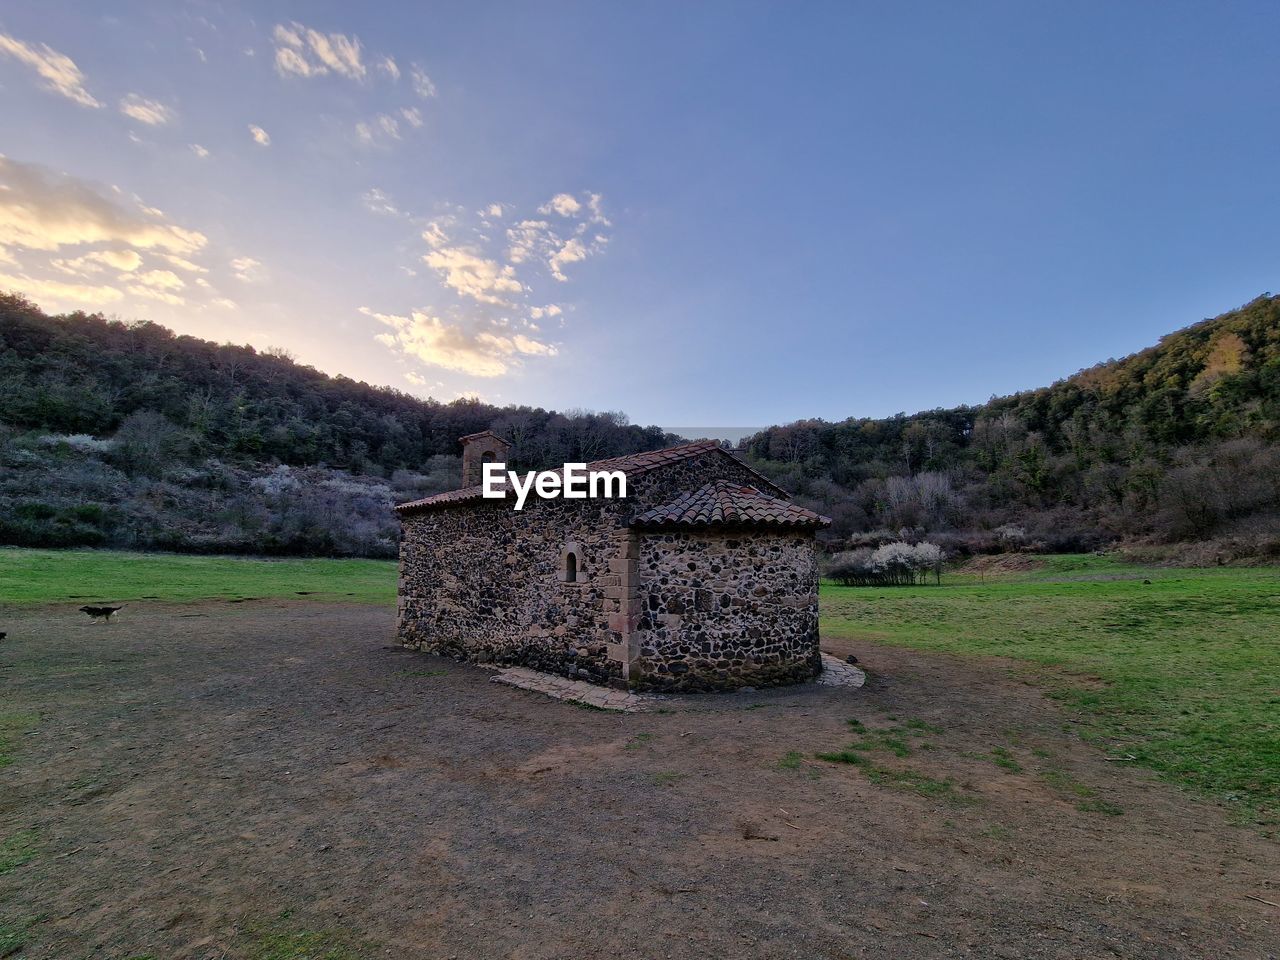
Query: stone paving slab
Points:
[577, 691]
[835, 673]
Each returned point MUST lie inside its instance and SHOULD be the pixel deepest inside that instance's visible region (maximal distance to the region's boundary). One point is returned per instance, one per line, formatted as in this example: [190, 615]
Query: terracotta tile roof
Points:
[726, 503]
[482, 433]
[632, 464]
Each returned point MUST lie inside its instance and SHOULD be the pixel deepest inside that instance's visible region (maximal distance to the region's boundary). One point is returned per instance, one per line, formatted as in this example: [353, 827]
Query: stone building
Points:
[704, 577]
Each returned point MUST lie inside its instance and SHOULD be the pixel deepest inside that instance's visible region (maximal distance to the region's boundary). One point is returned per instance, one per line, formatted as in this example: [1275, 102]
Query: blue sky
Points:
[716, 214]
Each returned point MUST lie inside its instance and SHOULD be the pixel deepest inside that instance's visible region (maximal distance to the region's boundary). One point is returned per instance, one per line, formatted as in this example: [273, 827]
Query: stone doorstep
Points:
[835, 673]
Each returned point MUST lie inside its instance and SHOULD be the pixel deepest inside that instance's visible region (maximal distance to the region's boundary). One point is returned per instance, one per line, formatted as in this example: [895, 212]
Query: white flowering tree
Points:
[892, 564]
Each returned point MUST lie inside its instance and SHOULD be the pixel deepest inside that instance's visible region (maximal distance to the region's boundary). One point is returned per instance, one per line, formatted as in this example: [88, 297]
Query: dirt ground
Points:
[204, 778]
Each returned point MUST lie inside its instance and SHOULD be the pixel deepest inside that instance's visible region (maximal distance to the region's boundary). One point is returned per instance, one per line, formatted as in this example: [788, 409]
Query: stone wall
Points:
[483, 582]
[725, 609]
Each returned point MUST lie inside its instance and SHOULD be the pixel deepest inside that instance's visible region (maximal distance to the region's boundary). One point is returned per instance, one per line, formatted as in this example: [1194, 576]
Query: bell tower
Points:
[479, 449]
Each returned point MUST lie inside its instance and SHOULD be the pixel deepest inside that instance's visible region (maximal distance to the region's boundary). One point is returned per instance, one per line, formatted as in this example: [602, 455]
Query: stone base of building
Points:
[656, 676]
[707, 677]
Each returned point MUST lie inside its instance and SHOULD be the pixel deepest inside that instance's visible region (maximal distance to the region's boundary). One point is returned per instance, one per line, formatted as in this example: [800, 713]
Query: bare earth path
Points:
[204, 778]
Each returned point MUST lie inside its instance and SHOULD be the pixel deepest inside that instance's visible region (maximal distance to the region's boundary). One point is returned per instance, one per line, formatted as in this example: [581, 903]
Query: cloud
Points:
[260, 136]
[183, 264]
[529, 238]
[303, 52]
[247, 269]
[571, 251]
[562, 203]
[199, 151]
[388, 66]
[58, 71]
[44, 210]
[422, 84]
[154, 293]
[122, 260]
[375, 201]
[380, 129]
[428, 338]
[81, 232]
[158, 280]
[290, 61]
[150, 112]
[595, 204]
[469, 274]
[56, 292]
[508, 265]
[434, 235]
[412, 115]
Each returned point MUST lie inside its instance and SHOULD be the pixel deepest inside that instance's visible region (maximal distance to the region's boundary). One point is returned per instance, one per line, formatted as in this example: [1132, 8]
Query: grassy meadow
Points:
[105, 576]
[1177, 668]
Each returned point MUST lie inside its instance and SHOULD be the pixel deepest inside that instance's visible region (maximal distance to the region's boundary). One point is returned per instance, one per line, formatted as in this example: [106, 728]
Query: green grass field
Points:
[1182, 673]
[89, 576]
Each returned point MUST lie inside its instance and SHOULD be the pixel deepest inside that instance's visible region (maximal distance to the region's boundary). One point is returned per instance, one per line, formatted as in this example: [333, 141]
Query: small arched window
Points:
[488, 457]
[571, 570]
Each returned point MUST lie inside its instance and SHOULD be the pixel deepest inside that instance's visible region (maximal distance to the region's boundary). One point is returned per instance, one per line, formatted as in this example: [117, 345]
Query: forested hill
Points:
[82, 374]
[129, 435]
[1176, 442]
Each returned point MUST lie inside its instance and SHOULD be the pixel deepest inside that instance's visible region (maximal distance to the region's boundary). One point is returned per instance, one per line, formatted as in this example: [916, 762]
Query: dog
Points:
[102, 613]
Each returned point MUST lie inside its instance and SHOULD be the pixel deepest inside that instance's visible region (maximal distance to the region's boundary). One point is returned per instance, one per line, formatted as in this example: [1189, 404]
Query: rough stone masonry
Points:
[703, 578]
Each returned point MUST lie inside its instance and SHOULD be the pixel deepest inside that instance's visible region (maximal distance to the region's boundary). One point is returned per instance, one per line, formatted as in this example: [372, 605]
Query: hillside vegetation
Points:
[1175, 443]
[127, 435]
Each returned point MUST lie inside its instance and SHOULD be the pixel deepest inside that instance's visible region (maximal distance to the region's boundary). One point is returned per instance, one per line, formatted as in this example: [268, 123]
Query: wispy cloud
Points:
[156, 293]
[199, 151]
[44, 210]
[182, 263]
[529, 238]
[493, 325]
[58, 71]
[304, 52]
[422, 84]
[550, 310]
[571, 251]
[486, 352]
[151, 112]
[375, 201]
[122, 260]
[73, 243]
[380, 130]
[247, 269]
[260, 136]
[57, 292]
[160, 280]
